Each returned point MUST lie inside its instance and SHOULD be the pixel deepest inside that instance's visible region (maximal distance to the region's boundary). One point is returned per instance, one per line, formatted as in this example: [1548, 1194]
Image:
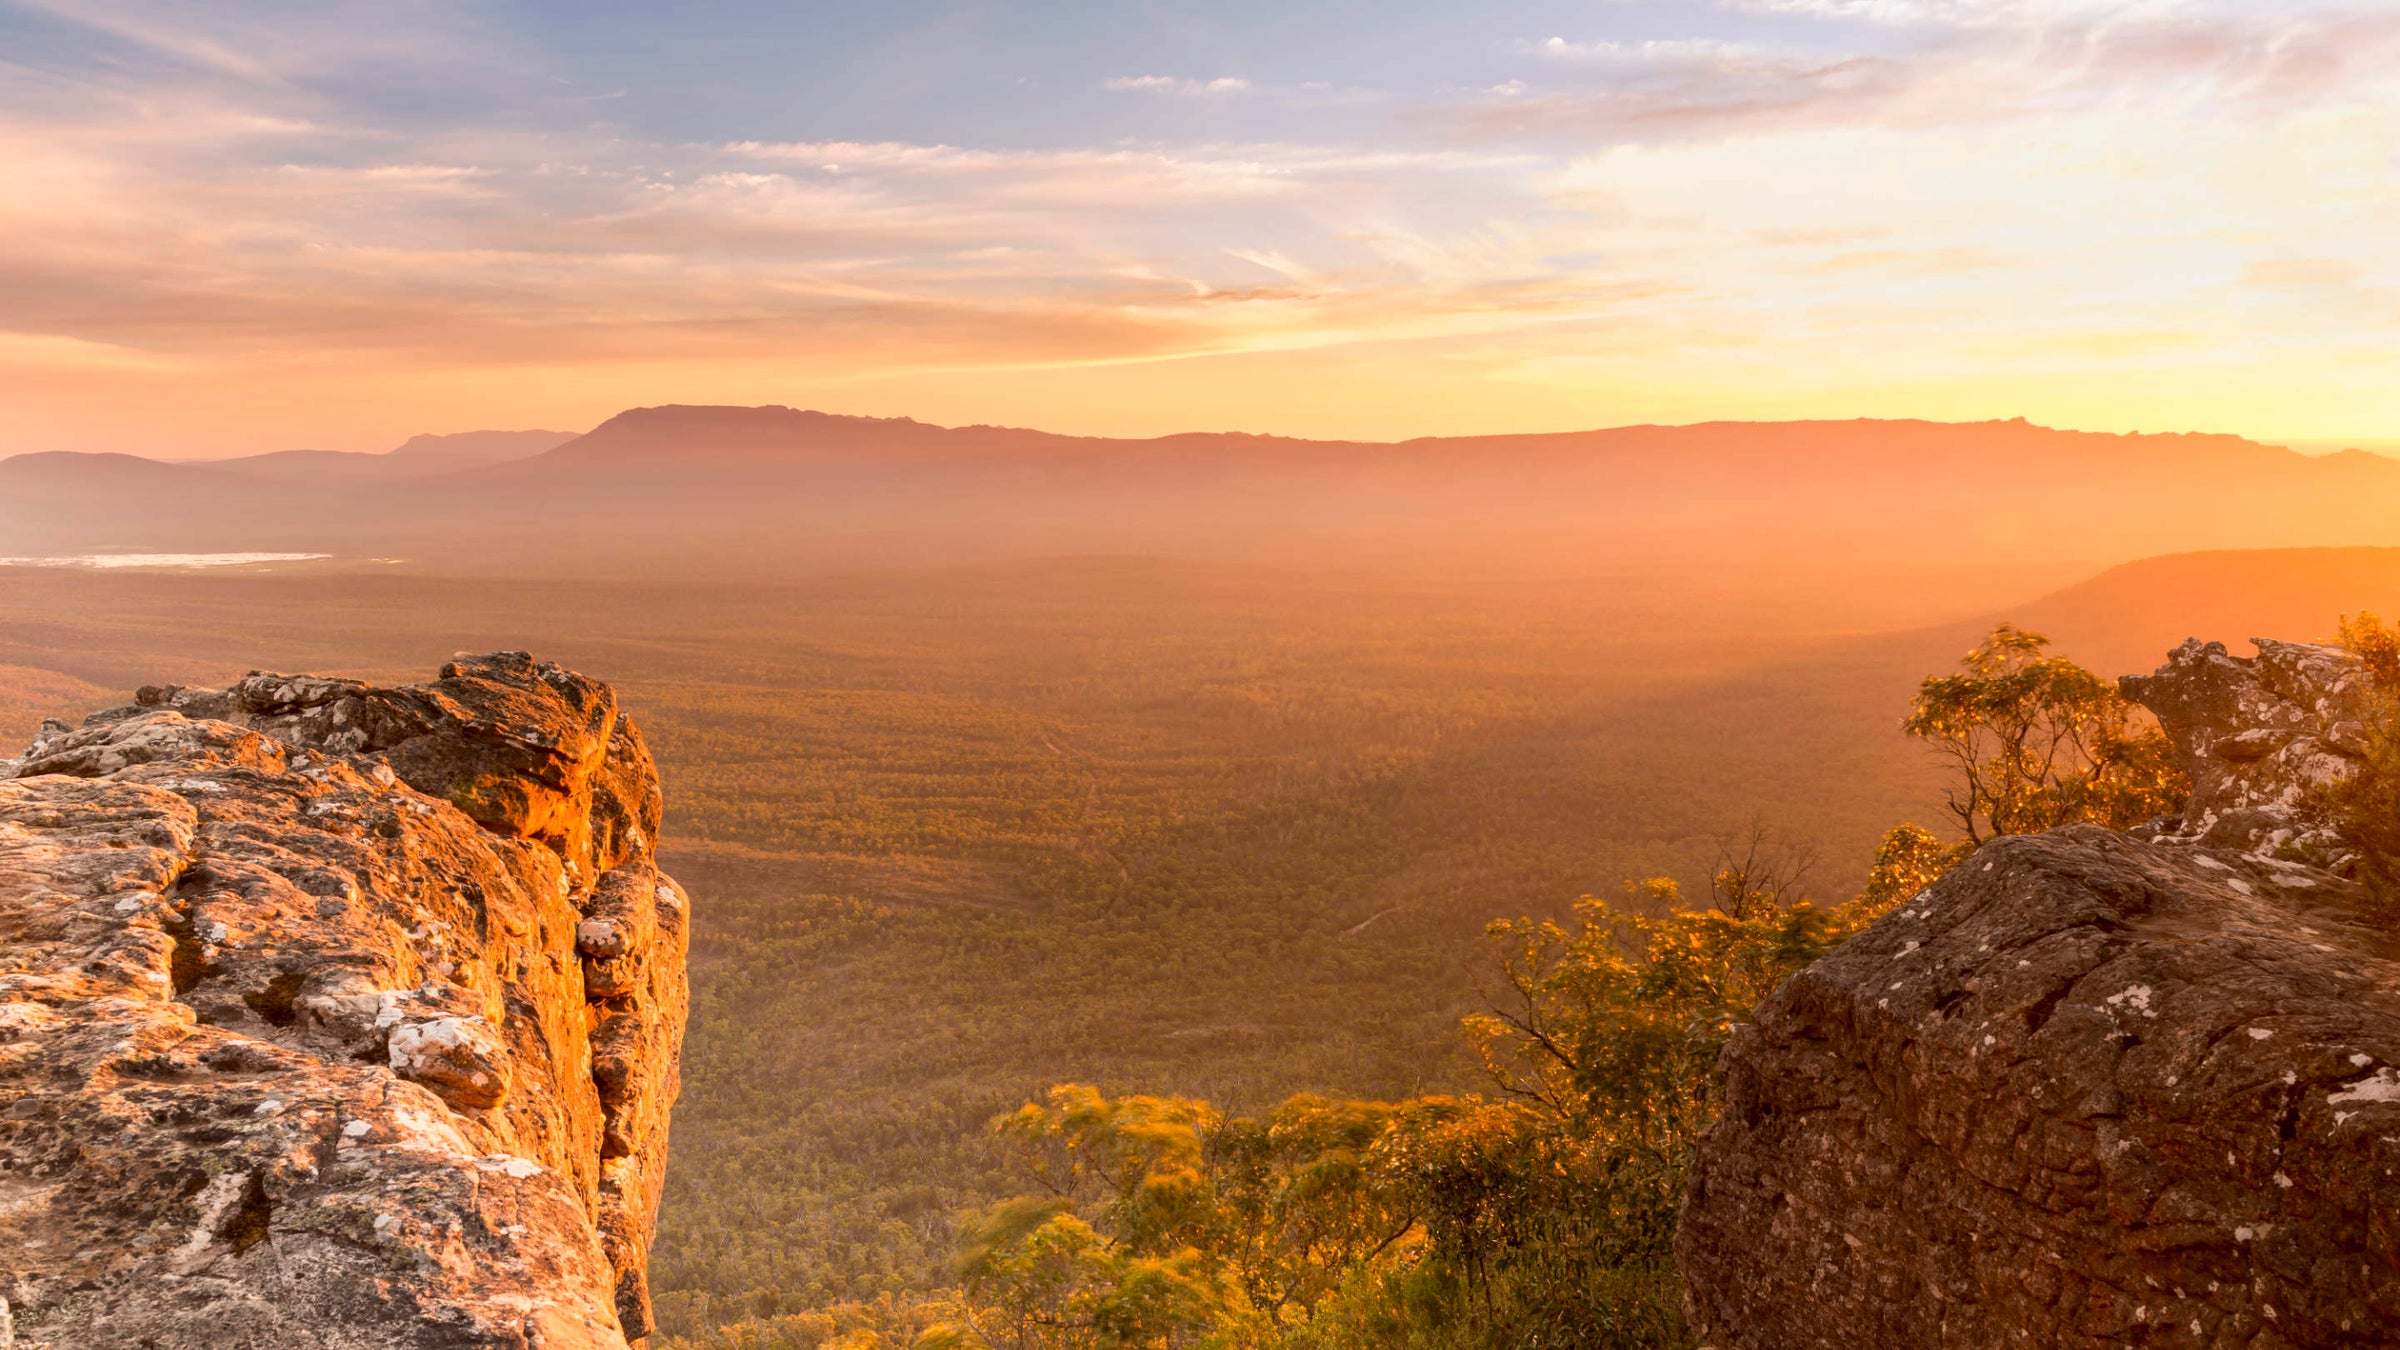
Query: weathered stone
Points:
[527, 749]
[296, 1045]
[2259, 737]
[2088, 1089]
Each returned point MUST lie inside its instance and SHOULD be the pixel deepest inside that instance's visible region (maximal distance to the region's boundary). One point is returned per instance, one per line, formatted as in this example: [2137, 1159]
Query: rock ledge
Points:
[2089, 1089]
[336, 1016]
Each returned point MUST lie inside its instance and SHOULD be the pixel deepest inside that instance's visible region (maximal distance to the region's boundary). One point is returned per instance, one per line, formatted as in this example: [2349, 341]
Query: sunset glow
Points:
[265, 226]
[1158, 675]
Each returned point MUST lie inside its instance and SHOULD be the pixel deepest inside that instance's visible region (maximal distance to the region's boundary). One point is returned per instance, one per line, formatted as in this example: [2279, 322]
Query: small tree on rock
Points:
[2040, 742]
[2365, 806]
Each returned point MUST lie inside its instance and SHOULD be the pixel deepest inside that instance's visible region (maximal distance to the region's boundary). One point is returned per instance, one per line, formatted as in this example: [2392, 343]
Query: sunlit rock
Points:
[297, 1046]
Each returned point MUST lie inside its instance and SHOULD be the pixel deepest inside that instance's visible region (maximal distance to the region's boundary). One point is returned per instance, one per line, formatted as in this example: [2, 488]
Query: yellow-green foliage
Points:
[887, 1322]
[2038, 741]
[1544, 1218]
[2375, 642]
[1162, 1223]
[2365, 807]
[1909, 859]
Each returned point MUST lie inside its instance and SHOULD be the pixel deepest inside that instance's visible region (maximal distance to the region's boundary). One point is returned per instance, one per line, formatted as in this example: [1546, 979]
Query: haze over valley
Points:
[1009, 675]
[1168, 790]
[756, 492]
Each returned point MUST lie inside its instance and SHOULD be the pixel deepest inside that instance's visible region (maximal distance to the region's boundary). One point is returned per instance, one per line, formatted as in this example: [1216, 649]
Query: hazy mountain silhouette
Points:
[461, 449]
[418, 457]
[2125, 620]
[77, 476]
[760, 490]
[318, 468]
[1797, 494]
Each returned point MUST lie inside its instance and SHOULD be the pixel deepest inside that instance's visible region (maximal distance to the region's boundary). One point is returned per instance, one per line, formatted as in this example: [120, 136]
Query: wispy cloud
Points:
[1948, 13]
[598, 248]
[1961, 62]
[134, 25]
[1649, 55]
[1842, 195]
[1176, 86]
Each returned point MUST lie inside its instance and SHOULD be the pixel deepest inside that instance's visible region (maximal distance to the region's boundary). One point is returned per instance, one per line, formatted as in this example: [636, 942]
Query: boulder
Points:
[2089, 1089]
[298, 1047]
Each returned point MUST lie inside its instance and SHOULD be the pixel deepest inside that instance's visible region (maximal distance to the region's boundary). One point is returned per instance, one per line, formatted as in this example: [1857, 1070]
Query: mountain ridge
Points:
[720, 418]
[613, 433]
[764, 490]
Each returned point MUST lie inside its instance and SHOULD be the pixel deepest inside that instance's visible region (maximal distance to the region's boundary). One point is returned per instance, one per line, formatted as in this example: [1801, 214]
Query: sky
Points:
[244, 226]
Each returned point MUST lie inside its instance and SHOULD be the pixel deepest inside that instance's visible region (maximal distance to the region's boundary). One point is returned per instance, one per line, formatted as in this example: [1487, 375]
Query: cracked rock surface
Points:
[2089, 1089]
[336, 1016]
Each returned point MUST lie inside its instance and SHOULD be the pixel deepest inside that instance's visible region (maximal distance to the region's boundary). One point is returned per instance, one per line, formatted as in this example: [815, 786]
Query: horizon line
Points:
[2313, 447]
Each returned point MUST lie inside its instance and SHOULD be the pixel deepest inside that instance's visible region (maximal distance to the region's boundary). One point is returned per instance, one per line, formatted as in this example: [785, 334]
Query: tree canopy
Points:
[2039, 742]
[1543, 1217]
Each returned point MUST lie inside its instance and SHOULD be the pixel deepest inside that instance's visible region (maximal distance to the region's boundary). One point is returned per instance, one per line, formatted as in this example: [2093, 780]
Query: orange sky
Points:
[226, 234]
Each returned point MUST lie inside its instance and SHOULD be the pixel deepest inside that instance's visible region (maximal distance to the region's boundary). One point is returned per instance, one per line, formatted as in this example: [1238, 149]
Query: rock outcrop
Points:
[336, 1016]
[2259, 737]
[2090, 1089]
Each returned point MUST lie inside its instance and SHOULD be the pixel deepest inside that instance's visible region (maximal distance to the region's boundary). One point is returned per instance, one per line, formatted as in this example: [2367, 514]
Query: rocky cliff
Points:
[2090, 1089]
[336, 1016]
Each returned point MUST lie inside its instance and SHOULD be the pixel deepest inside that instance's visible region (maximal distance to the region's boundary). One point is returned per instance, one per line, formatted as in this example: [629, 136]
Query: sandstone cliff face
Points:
[2089, 1089]
[336, 1016]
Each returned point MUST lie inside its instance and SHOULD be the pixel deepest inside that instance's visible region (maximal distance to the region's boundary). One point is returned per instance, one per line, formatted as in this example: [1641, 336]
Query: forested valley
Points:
[1072, 935]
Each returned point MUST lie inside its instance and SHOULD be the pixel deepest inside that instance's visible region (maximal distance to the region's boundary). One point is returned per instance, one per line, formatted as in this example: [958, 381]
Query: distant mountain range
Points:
[67, 475]
[418, 457]
[752, 490]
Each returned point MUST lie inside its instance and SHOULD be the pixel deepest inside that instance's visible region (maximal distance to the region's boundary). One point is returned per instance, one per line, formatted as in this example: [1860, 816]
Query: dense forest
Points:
[1541, 1215]
[1174, 834]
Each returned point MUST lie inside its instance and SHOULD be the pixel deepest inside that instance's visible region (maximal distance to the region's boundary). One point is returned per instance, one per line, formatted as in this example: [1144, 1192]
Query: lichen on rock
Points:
[298, 1043]
[2260, 737]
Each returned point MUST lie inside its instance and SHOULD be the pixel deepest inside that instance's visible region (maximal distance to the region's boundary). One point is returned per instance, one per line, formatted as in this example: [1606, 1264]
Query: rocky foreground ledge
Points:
[2090, 1089]
[336, 1016]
